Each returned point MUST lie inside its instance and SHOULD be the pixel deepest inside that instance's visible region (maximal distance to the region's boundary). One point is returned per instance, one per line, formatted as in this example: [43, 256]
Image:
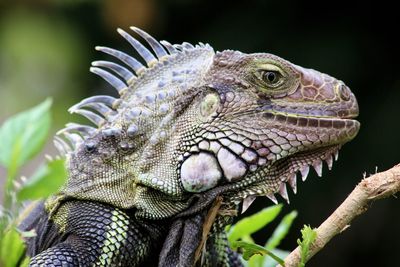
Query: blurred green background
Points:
[46, 47]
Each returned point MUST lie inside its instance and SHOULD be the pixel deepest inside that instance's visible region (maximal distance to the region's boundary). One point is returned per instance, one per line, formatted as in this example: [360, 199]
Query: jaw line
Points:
[290, 118]
[276, 108]
[309, 116]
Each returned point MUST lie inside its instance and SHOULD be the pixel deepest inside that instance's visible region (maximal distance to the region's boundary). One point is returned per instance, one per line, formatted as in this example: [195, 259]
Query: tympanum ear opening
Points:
[209, 104]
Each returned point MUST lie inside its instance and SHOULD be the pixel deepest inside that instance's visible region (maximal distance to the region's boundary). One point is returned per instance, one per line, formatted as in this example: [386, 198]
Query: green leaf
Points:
[257, 260]
[248, 239]
[253, 223]
[308, 236]
[12, 248]
[253, 249]
[22, 136]
[281, 230]
[47, 180]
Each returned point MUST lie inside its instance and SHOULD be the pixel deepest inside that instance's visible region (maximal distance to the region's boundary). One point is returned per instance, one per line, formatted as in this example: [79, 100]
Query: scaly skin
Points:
[192, 125]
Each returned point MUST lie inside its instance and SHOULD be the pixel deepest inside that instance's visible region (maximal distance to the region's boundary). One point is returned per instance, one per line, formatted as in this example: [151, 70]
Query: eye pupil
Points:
[270, 77]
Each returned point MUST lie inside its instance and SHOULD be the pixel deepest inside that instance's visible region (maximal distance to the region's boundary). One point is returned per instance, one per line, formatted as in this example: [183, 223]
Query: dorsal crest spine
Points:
[142, 90]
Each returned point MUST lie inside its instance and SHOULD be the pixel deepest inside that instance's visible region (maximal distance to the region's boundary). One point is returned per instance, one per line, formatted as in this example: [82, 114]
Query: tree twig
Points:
[378, 186]
[210, 218]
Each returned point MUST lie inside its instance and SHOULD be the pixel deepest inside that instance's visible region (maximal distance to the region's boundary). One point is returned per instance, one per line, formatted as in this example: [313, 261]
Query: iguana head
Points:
[193, 120]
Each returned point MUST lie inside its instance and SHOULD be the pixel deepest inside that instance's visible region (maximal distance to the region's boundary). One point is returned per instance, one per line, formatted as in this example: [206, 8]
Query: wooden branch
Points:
[210, 218]
[377, 186]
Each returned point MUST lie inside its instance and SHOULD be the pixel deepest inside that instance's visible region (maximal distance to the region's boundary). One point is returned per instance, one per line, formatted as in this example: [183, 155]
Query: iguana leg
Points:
[91, 234]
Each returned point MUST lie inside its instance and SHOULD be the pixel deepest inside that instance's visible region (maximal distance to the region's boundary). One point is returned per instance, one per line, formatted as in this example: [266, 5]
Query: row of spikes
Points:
[291, 179]
[76, 135]
[106, 106]
[161, 49]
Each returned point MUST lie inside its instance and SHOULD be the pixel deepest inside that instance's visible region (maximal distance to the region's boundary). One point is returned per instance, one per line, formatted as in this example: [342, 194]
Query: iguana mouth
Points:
[317, 114]
[314, 120]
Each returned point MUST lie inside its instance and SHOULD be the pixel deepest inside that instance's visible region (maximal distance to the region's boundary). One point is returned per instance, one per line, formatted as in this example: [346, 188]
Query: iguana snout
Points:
[321, 95]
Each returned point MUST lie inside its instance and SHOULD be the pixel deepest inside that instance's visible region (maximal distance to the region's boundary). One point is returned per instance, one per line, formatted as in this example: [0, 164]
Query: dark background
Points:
[46, 48]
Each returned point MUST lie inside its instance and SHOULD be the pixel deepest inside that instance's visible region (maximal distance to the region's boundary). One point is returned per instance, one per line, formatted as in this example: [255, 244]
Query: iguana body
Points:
[188, 127]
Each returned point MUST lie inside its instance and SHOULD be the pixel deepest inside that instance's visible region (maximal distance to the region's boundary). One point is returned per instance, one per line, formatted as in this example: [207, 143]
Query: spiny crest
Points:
[289, 175]
[169, 70]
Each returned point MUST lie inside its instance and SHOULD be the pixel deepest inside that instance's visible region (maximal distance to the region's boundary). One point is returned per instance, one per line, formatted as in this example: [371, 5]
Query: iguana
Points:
[190, 125]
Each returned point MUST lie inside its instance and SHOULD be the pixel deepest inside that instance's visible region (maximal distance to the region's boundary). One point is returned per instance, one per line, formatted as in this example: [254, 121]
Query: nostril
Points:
[344, 92]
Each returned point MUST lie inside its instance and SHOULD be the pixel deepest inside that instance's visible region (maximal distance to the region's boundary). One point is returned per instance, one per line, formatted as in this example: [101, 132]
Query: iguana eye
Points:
[271, 77]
